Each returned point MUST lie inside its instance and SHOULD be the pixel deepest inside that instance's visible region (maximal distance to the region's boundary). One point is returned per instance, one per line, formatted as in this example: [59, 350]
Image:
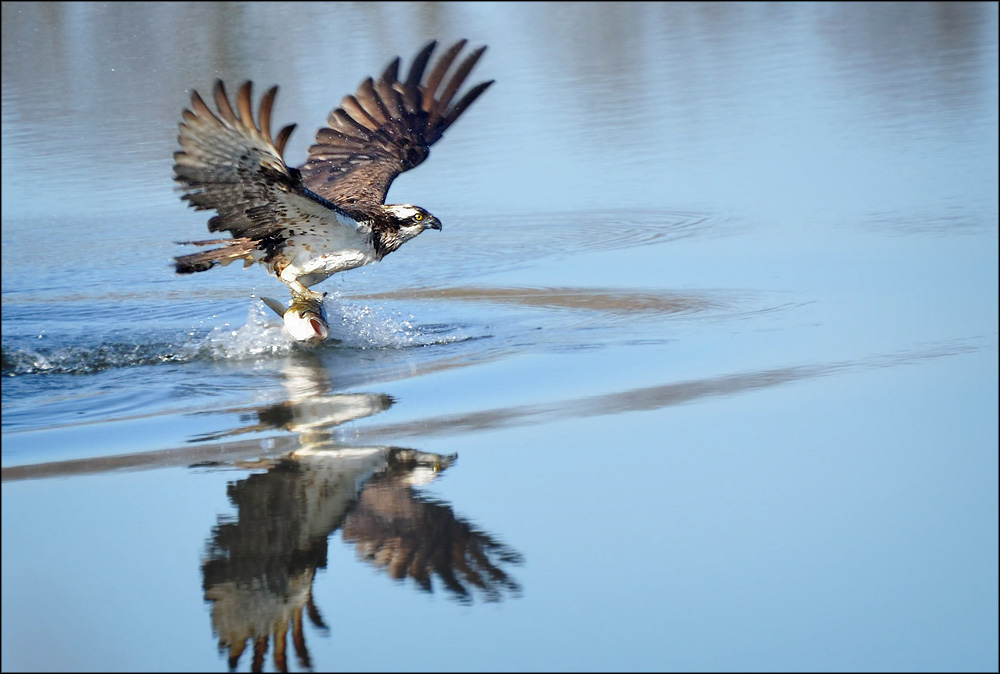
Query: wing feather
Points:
[440, 107]
[356, 113]
[390, 98]
[200, 109]
[391, 72]
[368, 98]
[419, 64]
[243, 104]
[342, 121]
[283, 137]
[463, 103]
[264, 116]
[437, 73]
[229, 164]
[222, 103]
[412, 92]
[387, 127]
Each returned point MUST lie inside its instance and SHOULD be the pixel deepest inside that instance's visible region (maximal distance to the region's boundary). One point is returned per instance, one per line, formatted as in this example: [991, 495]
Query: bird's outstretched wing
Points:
[387, 127]
[230, 163]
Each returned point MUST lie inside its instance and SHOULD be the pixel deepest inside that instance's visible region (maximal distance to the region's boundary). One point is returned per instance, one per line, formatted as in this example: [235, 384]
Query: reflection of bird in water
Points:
[259, 567]
[312, 410]
[312, 418]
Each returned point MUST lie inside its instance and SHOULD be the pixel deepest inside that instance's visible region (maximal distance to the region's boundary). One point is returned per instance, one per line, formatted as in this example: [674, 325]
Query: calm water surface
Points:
[700, 374]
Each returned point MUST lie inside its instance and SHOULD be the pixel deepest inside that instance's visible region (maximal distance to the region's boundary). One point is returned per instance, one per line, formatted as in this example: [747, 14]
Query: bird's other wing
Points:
[230, 163]
[388, 126]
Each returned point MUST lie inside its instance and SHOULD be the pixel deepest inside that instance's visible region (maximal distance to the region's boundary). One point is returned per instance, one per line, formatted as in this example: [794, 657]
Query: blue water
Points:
[700, 374]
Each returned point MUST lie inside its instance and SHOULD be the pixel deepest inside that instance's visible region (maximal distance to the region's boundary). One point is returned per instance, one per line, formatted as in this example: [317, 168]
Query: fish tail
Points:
[274, 305]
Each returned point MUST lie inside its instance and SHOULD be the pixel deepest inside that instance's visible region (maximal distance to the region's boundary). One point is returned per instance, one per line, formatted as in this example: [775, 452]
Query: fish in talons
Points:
[305, 317]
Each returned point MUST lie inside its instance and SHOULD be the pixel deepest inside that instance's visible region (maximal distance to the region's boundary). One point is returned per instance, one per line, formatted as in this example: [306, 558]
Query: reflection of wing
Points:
[387, 127]
[412, 536]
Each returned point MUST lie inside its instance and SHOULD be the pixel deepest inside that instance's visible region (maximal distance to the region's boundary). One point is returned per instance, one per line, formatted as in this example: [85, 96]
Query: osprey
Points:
[329, 215]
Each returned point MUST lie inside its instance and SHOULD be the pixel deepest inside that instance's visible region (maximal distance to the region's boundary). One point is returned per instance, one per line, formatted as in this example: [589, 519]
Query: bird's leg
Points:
[299, 290]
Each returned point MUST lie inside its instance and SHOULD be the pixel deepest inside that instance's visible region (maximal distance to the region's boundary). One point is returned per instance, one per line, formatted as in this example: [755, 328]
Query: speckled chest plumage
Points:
[322, 245]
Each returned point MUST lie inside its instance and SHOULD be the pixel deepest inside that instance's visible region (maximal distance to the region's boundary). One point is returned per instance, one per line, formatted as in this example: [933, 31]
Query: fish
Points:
[305, 317]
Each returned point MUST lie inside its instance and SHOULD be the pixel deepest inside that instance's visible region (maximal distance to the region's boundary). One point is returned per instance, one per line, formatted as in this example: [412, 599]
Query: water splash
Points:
[355, 326]
[259, 336]
[352, 325]
[362, 326]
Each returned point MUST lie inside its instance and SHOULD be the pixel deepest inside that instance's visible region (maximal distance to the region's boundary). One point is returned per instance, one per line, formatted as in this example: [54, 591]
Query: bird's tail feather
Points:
[232, 249]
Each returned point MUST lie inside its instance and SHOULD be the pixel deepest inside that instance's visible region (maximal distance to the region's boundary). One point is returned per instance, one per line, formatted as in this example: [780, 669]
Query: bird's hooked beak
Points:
[432, 223]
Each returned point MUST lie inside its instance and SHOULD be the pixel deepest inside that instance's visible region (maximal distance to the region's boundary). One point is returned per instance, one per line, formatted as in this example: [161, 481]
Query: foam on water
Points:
[362, 326]
[259, 336]
[356, 326]
[87, 359]
[352, 325]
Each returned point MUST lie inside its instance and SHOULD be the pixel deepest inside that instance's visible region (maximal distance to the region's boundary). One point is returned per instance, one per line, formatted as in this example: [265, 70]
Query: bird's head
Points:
[411, 219]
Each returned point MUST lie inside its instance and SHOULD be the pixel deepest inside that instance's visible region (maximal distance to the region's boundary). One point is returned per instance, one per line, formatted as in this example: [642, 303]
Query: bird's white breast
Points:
[324, 244]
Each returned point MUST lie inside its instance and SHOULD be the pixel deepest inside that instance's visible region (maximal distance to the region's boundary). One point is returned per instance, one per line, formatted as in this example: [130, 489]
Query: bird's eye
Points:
[418, 217]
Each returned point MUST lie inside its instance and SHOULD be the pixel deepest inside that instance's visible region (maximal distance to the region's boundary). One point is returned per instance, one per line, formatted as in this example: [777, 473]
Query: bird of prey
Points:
[329, 215]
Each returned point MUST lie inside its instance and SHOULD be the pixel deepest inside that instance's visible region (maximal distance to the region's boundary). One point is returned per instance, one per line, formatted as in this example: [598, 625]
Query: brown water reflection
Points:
[591, 299]
[652, 397]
